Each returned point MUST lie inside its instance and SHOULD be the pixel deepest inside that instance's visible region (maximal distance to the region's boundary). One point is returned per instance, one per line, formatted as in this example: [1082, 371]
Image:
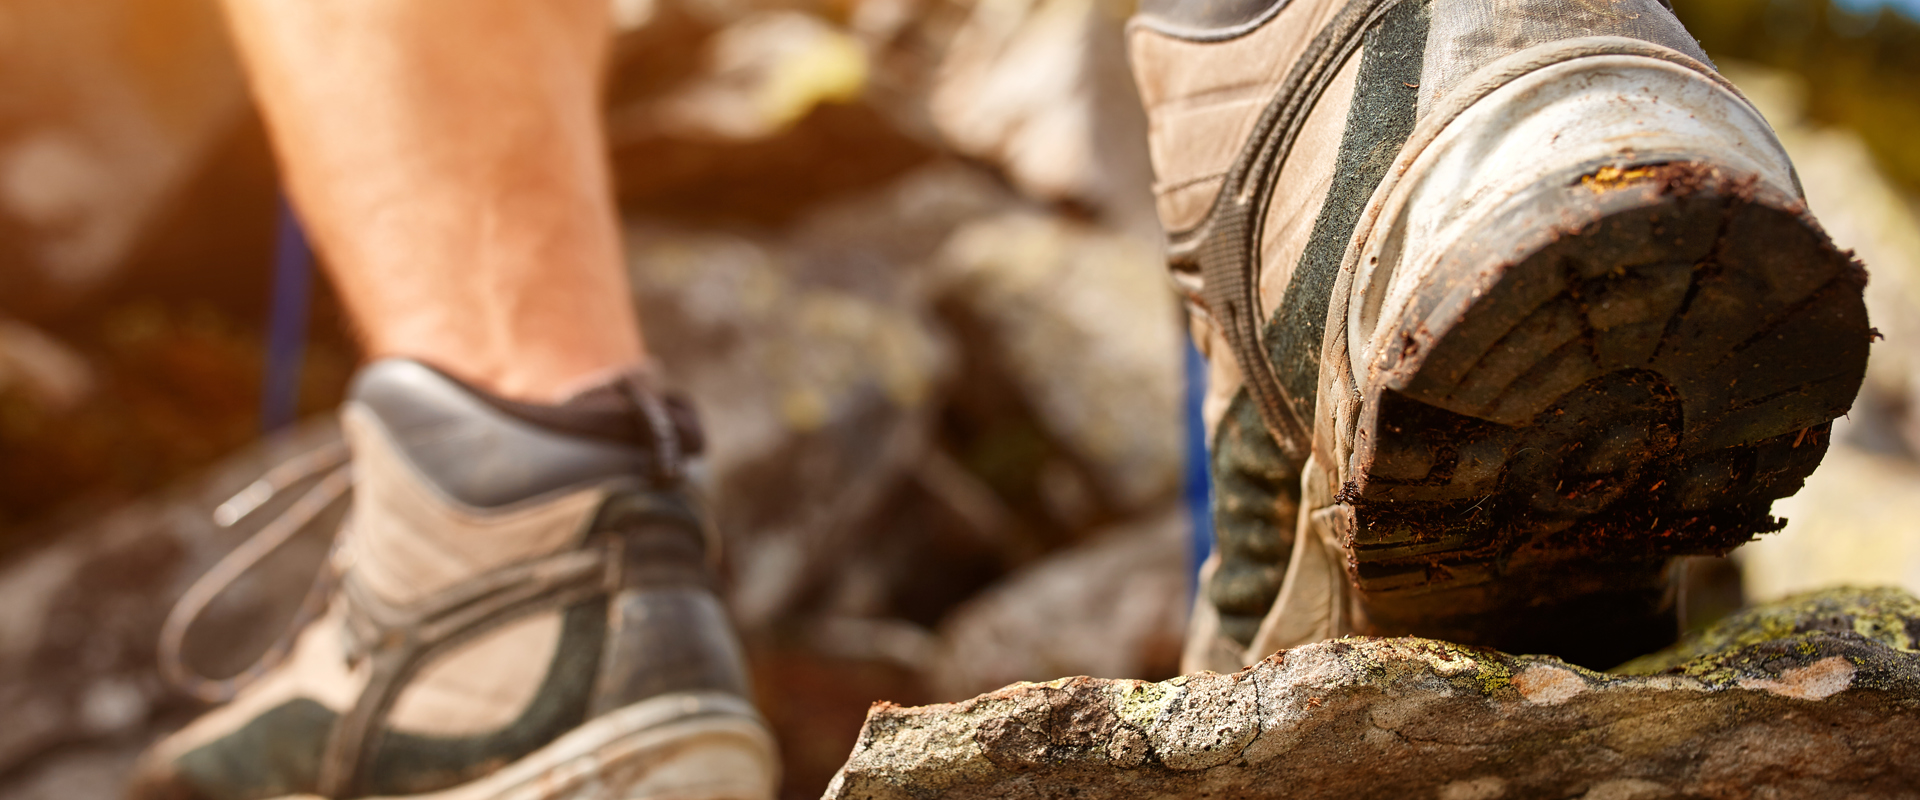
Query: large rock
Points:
[1816, 697]
[828, 357]
[817, 365]
[1115, 605]
[1081, 319]
[1041, 89]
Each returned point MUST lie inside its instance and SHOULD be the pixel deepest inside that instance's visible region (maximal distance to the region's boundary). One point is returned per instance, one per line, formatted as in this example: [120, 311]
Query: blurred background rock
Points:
[900, 251]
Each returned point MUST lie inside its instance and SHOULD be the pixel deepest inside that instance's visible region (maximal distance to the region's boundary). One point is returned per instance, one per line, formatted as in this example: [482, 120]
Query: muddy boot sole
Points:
[1655, 363]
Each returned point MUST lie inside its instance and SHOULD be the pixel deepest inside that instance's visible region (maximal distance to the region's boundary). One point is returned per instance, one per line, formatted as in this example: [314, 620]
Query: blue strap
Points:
[286, 322]
[1198, 486]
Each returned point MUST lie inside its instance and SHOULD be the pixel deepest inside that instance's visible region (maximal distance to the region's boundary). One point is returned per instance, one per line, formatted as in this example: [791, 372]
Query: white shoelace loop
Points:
[335, 483]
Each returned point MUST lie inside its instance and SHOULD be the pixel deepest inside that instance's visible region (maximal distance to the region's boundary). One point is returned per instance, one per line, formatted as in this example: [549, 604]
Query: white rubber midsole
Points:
[687, 746]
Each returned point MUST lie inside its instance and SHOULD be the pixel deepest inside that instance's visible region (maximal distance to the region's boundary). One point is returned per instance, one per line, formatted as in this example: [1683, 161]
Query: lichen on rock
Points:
[1740, 648]
[1818, 696]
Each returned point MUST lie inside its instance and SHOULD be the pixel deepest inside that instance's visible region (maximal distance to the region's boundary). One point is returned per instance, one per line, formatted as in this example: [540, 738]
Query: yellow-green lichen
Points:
[1884, 615]
[1140, 704]
[1889, 626]
[1727, 668]
[1493, 676]
[1484, 670]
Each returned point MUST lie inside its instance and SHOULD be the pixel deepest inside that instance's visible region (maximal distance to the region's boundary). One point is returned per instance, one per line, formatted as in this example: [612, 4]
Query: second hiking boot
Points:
[1508, 303]
[522, 607]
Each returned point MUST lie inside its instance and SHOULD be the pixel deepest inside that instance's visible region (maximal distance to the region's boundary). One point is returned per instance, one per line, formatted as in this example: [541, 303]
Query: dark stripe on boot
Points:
[1256, 498]
[1386, 99]
[407, 763]
[278, 752]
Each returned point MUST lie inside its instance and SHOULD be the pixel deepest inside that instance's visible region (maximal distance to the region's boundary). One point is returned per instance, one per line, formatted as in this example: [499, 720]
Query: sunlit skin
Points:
[447, 158]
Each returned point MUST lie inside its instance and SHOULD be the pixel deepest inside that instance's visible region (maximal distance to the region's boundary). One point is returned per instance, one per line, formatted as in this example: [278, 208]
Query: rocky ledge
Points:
[1816, 696]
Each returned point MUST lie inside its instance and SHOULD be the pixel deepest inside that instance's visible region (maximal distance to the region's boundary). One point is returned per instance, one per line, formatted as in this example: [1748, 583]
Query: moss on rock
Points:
[1817, 696]
[1888, 616]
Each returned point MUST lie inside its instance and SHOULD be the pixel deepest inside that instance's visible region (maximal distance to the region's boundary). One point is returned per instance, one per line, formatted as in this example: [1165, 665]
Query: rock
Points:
[823, 355]
[1041, 89]
[49, 372]
[747, 111]
[818, 391]
[1888, 616]
[94, 773]
[111, 108]
[761, 75]
[1115, 606]
[1815, 697]
[1081, 318]
[817, 366]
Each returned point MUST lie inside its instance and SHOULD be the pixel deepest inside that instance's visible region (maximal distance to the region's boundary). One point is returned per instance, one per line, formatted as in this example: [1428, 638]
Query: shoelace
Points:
[668, 459]
[335, 482]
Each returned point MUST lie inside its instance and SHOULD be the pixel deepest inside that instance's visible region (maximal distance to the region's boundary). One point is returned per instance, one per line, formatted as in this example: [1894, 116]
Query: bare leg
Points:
[448, 158]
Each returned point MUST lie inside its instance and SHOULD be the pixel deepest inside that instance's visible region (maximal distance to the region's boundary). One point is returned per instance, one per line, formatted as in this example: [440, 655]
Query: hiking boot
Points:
[522, 606]
[1508, 303]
